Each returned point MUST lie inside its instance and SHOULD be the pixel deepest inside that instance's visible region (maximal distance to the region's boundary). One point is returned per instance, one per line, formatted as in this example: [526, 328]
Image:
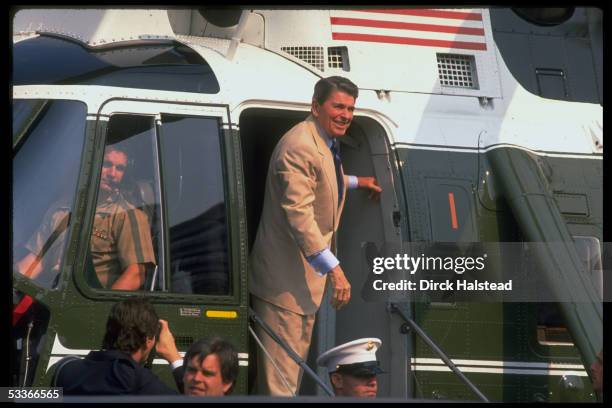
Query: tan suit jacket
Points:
[299, 218]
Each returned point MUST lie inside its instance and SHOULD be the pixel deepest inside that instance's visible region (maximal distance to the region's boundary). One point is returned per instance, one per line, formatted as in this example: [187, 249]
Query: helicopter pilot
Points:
[121, 245]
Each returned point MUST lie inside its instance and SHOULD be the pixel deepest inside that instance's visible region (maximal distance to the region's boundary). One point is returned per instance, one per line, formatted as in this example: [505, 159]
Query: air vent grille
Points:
[310, 55]
[337, 58]
[457, 71]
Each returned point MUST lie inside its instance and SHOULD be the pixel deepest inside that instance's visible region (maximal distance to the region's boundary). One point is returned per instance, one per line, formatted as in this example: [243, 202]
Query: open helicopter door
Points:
[368, 229]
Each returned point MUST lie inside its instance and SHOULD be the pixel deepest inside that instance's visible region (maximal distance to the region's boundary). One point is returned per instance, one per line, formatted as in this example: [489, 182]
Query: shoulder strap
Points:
[60, 364]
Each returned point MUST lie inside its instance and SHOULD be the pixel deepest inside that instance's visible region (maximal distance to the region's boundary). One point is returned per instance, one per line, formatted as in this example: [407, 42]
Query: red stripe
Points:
[406, 26]
[21, 308]
[453, 211]
[460, 15]
[409, 41]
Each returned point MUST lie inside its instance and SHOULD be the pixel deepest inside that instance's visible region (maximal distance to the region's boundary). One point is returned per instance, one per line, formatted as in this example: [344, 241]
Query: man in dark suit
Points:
[131, 332]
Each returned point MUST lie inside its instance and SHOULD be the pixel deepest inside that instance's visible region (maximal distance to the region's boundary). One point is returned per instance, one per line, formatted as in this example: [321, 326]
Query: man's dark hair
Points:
[228, 358]
[325, 86]
[129, 324]
[118, 147]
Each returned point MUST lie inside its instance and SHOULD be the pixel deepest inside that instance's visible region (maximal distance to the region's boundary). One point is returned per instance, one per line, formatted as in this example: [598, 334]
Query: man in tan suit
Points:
[292, 254]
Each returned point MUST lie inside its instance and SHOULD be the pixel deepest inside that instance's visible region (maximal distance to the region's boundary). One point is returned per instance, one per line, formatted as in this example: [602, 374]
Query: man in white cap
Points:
[353, 368]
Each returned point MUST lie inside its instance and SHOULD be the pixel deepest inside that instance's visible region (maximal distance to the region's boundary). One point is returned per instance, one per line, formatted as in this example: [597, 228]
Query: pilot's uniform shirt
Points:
[121, 236]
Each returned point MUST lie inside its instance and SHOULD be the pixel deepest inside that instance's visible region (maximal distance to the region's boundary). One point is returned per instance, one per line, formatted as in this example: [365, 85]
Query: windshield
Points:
[46, 162]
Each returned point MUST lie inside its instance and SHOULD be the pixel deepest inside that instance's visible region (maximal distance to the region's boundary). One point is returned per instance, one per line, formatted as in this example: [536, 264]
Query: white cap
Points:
[357, 355]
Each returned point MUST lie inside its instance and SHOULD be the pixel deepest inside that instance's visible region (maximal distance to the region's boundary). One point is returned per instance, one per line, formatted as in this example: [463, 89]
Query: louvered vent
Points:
[457, 71]
[337, 58]
[310, 55]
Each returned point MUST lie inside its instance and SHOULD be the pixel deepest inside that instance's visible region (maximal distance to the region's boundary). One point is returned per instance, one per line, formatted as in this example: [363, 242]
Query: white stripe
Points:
[451, 22]
[547, 154]
[58, 348]
[159, 361]
[59, 351]
[500, 371]
[497, 363]
[486, 149]
[393, 32]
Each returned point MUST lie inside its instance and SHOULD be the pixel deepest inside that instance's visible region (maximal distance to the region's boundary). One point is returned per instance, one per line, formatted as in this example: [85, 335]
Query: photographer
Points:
[131, 331]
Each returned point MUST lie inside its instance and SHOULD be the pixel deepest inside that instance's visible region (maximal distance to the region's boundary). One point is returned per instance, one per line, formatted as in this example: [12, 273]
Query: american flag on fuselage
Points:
[456, 29]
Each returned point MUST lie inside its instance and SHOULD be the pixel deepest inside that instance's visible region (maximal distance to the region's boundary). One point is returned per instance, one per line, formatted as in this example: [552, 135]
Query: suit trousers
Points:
[296, 331]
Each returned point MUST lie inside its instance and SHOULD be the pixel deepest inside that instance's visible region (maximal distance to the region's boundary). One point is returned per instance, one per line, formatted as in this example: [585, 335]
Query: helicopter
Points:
[482, 125]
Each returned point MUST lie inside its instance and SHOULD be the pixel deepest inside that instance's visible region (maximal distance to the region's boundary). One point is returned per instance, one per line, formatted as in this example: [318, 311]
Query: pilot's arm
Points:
[132, 277]
[45, 246]
[30, 266]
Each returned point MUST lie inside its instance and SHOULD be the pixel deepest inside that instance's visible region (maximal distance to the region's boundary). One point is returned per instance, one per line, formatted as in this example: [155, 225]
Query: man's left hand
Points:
[166, 346]
[371, 184]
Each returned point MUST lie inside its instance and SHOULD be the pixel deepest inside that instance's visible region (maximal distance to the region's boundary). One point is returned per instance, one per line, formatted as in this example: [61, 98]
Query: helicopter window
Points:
[45, 170]
[124, 244]
[191, 153]
[24, 113]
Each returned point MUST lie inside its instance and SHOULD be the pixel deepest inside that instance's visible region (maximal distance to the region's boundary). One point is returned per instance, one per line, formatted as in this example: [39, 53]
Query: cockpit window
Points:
[124, 249]
[45, 170]
[195, 194]
[161, 223]
[24, 113]
[168, 67]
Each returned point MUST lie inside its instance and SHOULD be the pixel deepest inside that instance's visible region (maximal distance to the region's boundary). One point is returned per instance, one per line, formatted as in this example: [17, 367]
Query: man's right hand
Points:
[341, 288]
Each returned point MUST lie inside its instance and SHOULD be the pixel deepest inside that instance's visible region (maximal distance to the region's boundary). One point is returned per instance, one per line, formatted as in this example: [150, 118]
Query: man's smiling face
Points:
[335, 114]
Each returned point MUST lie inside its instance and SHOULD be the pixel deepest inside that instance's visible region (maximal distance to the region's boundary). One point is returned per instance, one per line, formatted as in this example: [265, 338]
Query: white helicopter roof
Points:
[411, 50]
[96, 27]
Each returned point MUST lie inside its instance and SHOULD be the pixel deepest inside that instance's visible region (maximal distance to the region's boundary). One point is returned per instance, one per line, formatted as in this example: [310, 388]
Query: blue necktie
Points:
[335, 149]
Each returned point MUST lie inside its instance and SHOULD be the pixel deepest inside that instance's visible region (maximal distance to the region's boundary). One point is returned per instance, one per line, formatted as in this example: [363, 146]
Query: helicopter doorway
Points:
[365, 151]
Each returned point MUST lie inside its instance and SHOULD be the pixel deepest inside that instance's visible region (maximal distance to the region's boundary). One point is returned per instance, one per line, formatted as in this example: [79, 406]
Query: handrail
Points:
[414, 326]
[292, 354]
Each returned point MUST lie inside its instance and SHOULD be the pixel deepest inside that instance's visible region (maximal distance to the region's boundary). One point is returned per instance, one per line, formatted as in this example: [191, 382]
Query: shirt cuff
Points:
[323, 262]
[353, 182]
[177, 364]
